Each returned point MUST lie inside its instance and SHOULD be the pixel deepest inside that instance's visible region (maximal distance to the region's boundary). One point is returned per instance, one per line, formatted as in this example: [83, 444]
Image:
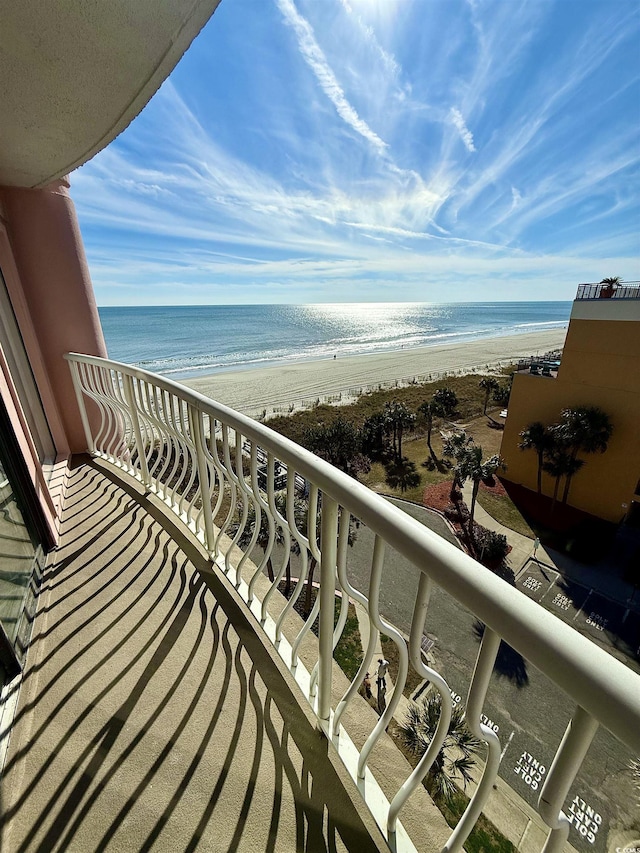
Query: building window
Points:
[23, 379]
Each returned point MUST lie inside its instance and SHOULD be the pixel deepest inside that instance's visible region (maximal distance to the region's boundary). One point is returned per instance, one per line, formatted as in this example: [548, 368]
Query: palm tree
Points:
[454, 445]
[339, 442]
[373, 435]
[398, 418]
[427, 411]
[585, 429]
[536, 437]
[456, 758]
[431, 409]
[558, 463]
[488, 384]
[403, 475]
[446, 401]
[503, 392]
[611, 283]
[470, 466]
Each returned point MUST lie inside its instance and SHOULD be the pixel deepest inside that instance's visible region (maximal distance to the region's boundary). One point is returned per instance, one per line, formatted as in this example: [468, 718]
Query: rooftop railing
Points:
[216, 470]
[626, 290]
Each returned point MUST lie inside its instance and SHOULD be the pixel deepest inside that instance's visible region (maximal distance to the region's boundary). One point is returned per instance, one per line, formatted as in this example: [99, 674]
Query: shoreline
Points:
[299, 384]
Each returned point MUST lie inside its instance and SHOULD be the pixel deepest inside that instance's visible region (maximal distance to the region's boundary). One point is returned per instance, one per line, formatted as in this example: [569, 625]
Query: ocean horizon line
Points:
[312, 304]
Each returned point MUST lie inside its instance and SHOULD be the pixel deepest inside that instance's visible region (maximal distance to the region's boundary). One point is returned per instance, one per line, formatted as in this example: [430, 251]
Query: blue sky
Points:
[377, 150]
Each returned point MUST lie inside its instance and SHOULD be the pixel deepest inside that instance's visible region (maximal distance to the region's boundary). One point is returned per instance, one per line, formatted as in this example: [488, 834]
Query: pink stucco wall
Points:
[11, 402]
[56, 289]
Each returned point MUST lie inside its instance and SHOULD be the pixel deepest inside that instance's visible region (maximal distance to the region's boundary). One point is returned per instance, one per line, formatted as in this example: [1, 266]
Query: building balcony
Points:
[174, 699]
[626, 290]
[547, 365]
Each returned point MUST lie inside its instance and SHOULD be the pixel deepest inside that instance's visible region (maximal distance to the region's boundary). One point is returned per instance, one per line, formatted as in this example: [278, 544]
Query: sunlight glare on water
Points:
[369, 325]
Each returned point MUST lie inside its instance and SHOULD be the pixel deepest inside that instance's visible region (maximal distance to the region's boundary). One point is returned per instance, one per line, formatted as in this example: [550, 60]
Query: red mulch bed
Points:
[438, 496]
[494, 487]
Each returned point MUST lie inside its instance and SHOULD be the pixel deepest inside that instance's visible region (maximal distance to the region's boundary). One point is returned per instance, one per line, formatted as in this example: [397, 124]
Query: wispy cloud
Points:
[317, 62]
[369, 34]
[330, 163]
[463, 130]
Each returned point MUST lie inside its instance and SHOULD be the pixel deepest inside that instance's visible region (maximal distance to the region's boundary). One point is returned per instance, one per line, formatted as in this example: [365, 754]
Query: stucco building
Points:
[600, 367]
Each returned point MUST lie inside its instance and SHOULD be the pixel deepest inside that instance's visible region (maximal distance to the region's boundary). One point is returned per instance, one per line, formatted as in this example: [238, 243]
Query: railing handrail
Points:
[620, 290]
[606, 688]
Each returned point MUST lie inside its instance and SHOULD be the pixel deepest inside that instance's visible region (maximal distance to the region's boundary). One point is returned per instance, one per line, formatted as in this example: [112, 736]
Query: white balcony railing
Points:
[217, 471]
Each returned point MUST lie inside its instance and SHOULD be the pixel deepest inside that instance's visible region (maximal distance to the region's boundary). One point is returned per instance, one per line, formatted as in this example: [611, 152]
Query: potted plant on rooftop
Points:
[611, 285]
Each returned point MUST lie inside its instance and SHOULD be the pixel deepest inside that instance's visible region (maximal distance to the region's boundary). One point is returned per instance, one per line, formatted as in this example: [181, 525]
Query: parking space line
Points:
[551, 586]
[583, 604]
[506, 745]
[539, 565]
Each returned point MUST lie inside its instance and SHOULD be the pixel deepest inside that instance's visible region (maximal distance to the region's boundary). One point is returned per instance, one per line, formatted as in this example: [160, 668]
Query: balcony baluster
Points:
[193, 453]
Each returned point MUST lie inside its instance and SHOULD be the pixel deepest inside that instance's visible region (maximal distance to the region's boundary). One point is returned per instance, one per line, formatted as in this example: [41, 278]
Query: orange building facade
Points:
[600, 367]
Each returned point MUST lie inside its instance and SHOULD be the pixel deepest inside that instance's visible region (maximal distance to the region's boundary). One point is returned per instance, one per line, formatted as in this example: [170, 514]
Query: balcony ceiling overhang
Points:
[75, 74]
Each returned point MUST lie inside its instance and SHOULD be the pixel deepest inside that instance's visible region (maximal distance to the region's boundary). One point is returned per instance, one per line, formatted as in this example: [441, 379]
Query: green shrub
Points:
[492, 547]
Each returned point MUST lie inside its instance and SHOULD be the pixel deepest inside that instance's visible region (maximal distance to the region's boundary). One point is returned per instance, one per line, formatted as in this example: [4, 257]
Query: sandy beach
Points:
[253, 391]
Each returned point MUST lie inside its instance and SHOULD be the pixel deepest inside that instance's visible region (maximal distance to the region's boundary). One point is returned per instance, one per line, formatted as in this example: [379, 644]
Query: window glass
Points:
[22, 376]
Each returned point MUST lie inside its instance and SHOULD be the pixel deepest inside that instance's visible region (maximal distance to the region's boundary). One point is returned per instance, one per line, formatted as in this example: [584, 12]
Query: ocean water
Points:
[185, 341]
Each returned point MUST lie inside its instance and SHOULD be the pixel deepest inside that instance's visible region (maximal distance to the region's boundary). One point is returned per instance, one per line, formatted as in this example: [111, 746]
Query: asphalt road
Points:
[527, 711]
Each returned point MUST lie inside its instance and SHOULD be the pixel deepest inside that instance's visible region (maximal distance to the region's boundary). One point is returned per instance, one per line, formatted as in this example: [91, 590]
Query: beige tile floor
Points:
[151, 717]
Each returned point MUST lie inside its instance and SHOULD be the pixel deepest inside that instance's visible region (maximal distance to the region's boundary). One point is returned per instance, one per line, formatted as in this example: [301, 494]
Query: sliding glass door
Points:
[22, 531]
[21, 558]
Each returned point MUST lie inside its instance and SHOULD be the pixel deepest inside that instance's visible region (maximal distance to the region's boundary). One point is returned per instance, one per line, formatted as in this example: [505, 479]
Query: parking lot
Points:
[613, 626]
[527, 753]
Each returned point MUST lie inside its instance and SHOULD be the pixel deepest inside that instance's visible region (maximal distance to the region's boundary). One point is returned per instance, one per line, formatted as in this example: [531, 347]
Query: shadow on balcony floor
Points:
[151, 716]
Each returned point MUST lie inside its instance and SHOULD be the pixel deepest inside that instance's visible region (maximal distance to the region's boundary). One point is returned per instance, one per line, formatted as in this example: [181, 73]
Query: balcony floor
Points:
[151, 715]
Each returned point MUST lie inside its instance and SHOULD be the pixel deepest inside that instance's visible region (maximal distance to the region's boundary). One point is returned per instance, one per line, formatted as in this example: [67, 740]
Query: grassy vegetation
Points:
[414, 447]
[487, 437]
[503, 509]
[348, 653]
[484, 837]
[390, 651]
[470, 400]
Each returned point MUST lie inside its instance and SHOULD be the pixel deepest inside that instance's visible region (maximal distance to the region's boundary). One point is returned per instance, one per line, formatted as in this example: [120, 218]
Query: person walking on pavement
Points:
[367, 686]
[381, 679]
[536, 545]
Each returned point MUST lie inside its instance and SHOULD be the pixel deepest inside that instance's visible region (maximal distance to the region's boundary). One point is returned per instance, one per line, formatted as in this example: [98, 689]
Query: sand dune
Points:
[252, 391]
